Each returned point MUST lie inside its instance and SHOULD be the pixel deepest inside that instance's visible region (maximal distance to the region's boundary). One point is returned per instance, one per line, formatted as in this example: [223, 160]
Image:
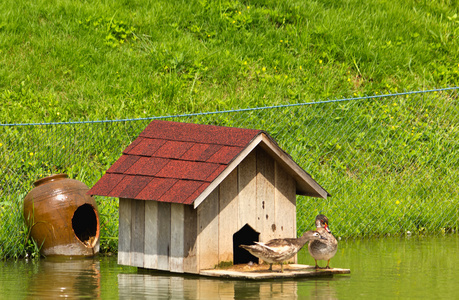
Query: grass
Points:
[66, 60]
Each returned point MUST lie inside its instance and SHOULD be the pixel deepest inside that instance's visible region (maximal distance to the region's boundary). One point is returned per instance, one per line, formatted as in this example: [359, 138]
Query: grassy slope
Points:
[66, 60]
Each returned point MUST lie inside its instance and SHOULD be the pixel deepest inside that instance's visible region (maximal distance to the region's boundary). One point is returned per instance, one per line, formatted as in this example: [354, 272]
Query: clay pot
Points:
[62, 218]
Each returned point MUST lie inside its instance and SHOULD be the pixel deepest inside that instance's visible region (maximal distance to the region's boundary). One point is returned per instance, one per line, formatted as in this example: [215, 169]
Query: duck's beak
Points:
[326, 228]
[323, 238]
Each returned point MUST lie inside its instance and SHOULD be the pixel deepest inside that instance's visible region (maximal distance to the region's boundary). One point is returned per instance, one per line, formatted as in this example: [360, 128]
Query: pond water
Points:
[390, 267]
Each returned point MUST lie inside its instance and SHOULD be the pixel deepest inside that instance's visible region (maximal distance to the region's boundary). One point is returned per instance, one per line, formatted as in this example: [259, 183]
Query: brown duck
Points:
[323, 249]
[280, 250]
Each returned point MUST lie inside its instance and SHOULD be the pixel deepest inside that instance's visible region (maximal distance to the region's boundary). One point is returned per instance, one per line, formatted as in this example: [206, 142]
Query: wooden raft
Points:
[258, 272]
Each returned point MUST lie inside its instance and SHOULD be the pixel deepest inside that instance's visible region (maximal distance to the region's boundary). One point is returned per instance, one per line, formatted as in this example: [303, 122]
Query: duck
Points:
[323, 249]
[282, 249]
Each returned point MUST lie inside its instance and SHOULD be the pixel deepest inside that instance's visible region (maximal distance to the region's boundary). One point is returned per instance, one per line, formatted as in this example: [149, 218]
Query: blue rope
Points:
[237, 110]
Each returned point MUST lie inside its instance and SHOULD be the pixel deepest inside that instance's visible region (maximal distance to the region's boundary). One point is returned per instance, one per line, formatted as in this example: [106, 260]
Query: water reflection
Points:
[402, 268]
[160, 286]
[323, 290]
[65, 278]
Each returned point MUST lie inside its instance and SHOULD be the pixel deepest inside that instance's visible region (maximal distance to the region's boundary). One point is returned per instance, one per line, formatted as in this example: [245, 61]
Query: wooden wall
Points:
[153, 235]
[178, 238]
[259, 193]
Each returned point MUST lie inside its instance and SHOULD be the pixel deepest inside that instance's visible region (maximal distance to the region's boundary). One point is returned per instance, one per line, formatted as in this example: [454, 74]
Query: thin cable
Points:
[235, 110]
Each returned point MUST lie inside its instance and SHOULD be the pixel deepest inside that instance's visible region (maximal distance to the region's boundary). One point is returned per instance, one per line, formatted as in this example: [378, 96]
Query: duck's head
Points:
[313, 235]
[322, 222]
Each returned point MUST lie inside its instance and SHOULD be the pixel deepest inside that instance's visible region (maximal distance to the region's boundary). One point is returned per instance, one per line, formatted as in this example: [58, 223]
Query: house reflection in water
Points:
[161, 285]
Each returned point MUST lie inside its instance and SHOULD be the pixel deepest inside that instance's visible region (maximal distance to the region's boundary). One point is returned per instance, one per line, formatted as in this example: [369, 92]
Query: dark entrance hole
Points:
[245, 236]
[84, 224]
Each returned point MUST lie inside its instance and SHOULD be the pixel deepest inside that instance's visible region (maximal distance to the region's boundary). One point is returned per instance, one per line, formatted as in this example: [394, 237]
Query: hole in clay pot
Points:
[84, 224]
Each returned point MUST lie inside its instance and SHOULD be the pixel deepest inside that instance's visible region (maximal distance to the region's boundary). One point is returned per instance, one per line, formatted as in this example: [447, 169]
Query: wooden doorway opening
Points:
[245, 236]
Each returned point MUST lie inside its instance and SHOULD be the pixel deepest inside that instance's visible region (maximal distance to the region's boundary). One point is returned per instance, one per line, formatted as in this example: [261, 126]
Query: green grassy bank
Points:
[85, 60]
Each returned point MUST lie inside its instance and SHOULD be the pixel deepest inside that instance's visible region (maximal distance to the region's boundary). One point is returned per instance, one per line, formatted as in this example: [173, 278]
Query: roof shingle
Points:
[145, 147]
[173, 162]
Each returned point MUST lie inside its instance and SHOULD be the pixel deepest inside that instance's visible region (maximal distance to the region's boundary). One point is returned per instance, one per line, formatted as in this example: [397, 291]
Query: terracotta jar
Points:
[62, 218]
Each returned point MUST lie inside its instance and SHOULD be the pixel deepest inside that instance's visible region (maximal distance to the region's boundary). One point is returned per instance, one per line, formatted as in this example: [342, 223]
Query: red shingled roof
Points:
[173, 162]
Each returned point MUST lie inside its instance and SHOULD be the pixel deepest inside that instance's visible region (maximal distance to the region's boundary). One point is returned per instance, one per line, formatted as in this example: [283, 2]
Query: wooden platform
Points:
[259, 272]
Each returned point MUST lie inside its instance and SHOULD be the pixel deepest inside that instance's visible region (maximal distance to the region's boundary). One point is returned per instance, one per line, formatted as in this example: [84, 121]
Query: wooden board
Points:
[261, 272]
[247, 186]
[265, 210]
[190, 262]
[285, 207]
[177, 234]
[137, 232]
[208, 231]
[227, 218]
[164, 235]
[124, 233]
[151, 235]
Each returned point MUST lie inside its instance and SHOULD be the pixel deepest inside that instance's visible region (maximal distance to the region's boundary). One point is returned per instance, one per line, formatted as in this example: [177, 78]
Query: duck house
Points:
[190, 194]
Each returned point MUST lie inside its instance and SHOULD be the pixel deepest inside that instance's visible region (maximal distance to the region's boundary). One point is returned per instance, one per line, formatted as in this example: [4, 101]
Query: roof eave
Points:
[305, 184]
[233, 165]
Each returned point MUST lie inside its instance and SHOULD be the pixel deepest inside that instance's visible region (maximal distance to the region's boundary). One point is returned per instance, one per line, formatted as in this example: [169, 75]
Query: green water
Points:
[416, 267]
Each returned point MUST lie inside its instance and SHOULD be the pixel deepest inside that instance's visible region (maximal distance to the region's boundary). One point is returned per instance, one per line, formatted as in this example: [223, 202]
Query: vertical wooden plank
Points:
[265, 195]
[247, 186]
[285, 203]
[137, 232]
[208, 231]
[190, 245]
[177, 237]
[151, 235]
[164, 235]
[228, 216]
[124, 232]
